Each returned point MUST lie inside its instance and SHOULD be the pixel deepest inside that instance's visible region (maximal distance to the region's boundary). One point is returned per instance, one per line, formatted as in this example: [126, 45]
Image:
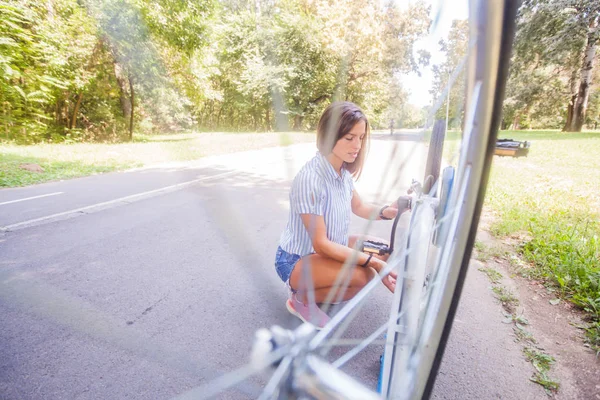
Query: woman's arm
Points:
[315, 225]
[366, 211]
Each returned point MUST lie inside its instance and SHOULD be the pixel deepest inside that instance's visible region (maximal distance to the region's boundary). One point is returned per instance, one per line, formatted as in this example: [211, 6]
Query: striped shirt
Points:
[318, 189]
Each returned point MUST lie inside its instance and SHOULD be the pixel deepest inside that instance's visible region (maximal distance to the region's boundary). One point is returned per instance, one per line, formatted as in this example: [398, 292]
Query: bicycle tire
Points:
[507, 15]
[478, 145]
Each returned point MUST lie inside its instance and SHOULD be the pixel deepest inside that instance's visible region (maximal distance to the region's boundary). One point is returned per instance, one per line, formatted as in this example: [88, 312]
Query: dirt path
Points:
[551, 325]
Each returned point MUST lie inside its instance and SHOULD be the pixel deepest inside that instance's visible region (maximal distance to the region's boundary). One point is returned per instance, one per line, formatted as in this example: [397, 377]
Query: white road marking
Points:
[31, 198]
[107, 204]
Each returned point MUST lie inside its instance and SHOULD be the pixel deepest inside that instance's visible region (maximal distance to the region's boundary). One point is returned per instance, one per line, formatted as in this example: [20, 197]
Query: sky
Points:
[450, 10]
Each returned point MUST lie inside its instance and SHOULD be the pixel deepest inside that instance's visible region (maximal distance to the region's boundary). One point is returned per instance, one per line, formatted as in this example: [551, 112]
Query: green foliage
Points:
[455, 49]
[593, 111]
[506, 297]
[279, 66]
[80, 70]
[546, 68]
[523, 335]
[12, 175]
[24, 91]
[71, 159]
[98, 70]
[181, 25]
[542, 362]
[493, 275]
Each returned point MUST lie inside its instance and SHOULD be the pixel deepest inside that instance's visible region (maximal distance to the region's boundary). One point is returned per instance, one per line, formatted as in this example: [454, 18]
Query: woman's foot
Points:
[313, 315]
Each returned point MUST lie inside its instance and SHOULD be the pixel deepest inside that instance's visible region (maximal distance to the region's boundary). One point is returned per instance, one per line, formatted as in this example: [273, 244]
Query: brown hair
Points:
[337, 120]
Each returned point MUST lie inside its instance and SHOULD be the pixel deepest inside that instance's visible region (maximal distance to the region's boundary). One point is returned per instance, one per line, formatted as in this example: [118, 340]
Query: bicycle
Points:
[431, 257]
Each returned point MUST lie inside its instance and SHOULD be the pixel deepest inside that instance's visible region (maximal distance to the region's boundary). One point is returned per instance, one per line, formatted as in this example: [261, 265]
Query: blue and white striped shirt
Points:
[318, 189]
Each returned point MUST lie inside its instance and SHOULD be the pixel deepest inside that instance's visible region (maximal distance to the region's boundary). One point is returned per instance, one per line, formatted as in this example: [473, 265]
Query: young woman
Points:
[322, 198]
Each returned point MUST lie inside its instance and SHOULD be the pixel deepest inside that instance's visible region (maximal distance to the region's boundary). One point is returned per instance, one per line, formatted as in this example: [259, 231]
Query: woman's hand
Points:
[390, 211]
[402, 204]
[389, 280]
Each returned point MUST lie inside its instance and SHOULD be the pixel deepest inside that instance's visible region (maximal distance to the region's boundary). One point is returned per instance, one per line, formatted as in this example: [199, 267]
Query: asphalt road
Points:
[149, 283]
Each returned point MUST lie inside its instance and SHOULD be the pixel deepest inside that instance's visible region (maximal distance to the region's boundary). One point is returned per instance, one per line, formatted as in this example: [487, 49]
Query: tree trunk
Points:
[132, 108]
[298, 122]
[231, 118]
[76, 110]
[573, 86]
[268, 119]
[66, 112]
[125, 104]
[203, 115]
[57, 111]
[219, 116]
[5, 114]
[516, 125]
[257, 118]
[586, 79]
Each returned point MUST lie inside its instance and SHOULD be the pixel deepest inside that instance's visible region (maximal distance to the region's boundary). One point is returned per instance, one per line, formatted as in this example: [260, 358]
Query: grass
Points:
[506, 297]
[550, 201]
[63, 161]
[524, 335]
[493, 275]
[484, 253]
[481, 253]
[542, 362]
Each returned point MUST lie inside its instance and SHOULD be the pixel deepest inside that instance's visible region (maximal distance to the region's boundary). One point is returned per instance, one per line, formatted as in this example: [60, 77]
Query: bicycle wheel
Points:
[419, 322]
[416, 373]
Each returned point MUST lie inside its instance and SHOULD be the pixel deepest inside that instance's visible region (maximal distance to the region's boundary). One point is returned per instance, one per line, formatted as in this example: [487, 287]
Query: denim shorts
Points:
[284, 264]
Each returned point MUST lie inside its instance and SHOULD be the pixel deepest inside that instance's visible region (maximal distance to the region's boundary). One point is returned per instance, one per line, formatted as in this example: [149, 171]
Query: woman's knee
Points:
[362, 276]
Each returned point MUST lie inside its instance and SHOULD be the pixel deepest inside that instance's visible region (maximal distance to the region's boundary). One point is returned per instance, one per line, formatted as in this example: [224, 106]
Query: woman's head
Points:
[344, 130]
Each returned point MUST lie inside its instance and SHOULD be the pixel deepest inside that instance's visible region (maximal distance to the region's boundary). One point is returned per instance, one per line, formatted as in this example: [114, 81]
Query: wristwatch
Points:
[381, 214]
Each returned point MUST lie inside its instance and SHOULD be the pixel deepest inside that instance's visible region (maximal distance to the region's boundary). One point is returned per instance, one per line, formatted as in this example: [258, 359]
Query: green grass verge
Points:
[12, 175]
[550, 200]
[63, 161]
[493, 275]
[541, 362]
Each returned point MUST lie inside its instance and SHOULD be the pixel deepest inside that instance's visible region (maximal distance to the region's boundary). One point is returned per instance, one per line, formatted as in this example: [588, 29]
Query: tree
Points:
[373, 43]
[25, 87]
[454, 49]
[555, 42]
[288, 59]
[79, 70]
[140, 35]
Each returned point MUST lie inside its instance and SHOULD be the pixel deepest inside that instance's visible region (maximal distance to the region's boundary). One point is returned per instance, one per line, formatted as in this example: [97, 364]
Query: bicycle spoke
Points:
[350, 342]
[356, 301]
[355, 308]
[276, 379]
[363, 344]
[349, 355]
[233, 378]
[349, 263]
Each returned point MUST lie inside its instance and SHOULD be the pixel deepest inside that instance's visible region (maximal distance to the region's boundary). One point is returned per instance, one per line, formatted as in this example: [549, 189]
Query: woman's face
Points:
[349, 145]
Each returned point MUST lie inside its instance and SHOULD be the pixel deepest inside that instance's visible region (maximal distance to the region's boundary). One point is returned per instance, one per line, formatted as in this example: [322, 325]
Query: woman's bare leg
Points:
[324, 272]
